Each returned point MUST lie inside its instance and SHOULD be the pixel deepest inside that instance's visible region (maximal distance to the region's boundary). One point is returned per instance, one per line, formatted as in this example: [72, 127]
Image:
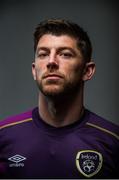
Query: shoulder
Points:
[17, 119]
[102, 125]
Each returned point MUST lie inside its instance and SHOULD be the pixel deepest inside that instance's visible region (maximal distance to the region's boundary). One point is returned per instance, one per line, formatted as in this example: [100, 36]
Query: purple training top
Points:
[30, 148]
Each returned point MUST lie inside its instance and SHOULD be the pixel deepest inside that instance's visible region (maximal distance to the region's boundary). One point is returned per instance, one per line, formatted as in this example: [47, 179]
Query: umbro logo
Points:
[17, 159]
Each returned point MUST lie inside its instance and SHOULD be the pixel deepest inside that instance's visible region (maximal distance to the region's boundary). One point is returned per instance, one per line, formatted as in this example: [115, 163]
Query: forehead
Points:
[52, 41]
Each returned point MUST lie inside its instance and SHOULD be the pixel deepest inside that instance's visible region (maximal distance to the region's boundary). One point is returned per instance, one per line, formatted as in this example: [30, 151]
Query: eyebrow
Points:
[42, 48]
[66, 48]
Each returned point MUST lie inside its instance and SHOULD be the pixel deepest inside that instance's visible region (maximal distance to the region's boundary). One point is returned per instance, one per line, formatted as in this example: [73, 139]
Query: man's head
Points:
[62, 57]
[60, 27]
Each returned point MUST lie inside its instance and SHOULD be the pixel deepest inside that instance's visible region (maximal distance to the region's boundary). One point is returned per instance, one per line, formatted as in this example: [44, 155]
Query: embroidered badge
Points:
[89, 162]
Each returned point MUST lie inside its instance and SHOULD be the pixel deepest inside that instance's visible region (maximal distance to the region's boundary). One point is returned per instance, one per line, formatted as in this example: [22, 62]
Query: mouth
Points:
[52, 76]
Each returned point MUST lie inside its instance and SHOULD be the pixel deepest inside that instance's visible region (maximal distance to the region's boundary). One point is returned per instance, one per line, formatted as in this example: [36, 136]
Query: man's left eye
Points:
[66, 55]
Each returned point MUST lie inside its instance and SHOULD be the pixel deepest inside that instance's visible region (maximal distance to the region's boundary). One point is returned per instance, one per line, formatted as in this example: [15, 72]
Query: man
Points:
[60, 138]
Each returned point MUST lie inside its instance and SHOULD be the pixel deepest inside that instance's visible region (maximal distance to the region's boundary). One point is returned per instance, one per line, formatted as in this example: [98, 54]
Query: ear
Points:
[33, 70]
[89, 71]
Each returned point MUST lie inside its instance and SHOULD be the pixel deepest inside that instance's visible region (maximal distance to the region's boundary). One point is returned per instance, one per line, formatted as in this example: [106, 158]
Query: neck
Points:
[61, 111]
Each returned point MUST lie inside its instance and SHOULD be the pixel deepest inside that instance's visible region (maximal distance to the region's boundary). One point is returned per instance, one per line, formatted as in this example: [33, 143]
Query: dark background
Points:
[100, 18]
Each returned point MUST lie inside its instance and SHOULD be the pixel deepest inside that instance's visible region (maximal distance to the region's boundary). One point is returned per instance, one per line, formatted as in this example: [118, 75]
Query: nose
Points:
[52, 62]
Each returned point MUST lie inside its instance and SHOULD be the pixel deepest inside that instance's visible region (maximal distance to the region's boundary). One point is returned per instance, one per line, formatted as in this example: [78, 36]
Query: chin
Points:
[52, 91]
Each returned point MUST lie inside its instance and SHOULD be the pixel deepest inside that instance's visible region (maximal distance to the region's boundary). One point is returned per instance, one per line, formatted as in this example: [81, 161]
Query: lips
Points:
[52, 76]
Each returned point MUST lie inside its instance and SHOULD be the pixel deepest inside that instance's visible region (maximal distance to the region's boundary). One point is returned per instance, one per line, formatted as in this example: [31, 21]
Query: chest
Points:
[46, 156]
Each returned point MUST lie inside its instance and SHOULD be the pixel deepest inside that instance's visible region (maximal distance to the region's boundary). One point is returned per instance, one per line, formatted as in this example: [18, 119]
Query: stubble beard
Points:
[59, 89]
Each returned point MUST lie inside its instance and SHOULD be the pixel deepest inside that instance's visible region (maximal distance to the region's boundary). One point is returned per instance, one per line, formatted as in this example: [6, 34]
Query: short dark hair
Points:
[64, 27]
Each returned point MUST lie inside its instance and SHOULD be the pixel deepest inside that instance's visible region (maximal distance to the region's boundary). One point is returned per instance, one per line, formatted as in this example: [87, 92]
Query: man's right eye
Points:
[41, 55]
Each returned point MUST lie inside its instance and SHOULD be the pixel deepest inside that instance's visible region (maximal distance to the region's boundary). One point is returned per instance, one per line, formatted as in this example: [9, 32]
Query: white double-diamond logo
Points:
[17, 158]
